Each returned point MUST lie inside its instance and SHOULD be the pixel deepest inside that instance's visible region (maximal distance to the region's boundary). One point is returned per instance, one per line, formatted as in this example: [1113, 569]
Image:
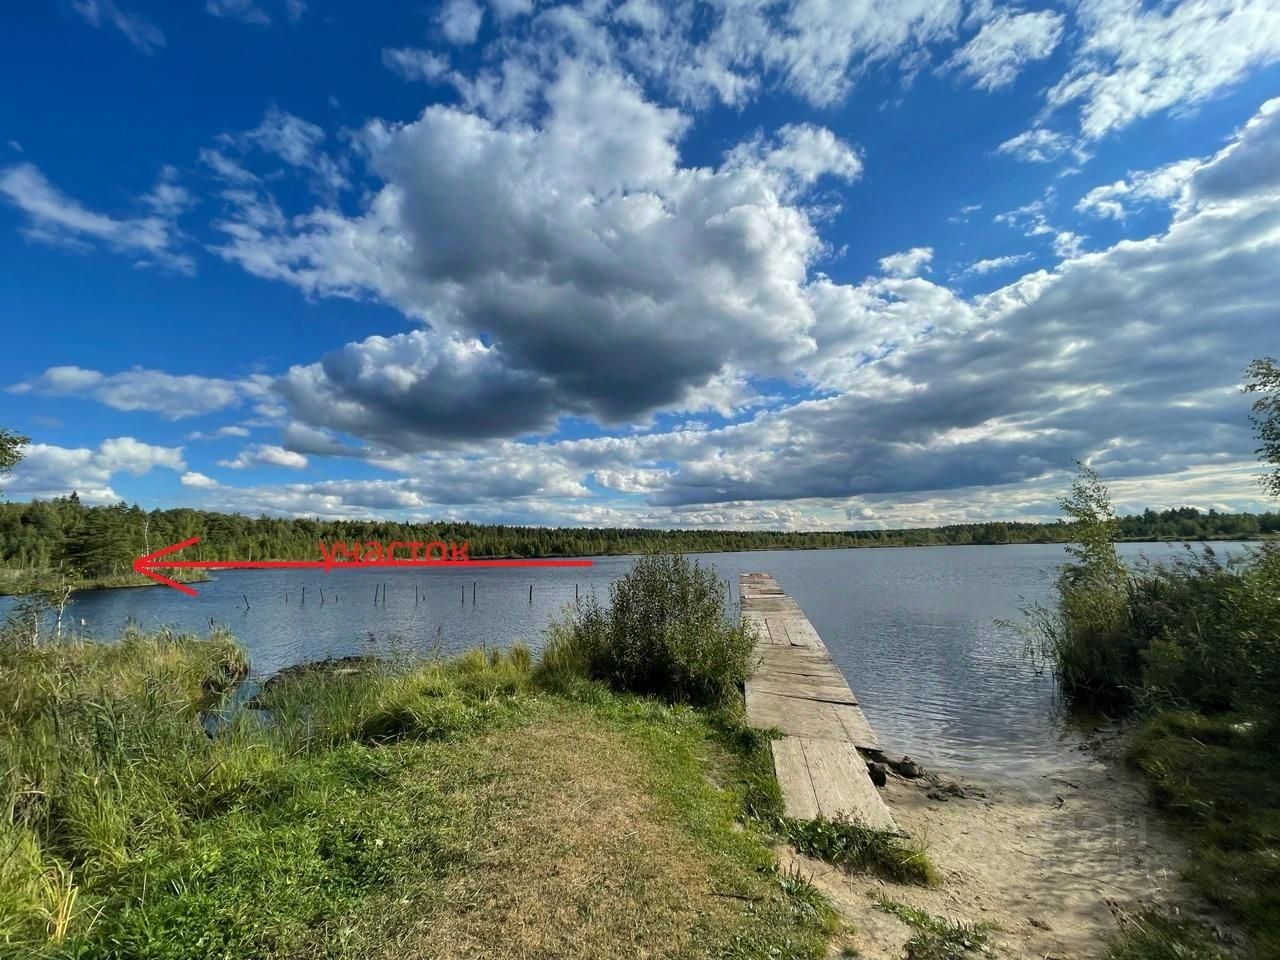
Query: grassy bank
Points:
[441, 810]
[14, 583]
[1191, 651]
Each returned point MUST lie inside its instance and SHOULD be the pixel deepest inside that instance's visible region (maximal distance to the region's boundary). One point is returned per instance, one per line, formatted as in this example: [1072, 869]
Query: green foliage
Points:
[1196, 632]
[939, 938]
[1085, 634]
[1199, 632]
[1094, 527]
[1263, 378]
[1154, 936]
[665, 633]
[1194, 643]
[11, 445]
[1218, 781]
[856, 847]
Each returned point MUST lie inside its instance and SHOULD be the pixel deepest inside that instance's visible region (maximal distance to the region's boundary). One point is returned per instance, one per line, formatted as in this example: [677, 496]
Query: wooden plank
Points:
[777, 631]
[841, 786]
[798, 685]
[798, 797]
[802, 654]
[771, 604]
[856, 728]
[801, 633]
[799, 718]
[798, 659]
[799, 678]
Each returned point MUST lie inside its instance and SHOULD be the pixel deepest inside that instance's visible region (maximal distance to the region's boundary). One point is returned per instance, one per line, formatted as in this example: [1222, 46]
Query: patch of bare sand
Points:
[1048, 864]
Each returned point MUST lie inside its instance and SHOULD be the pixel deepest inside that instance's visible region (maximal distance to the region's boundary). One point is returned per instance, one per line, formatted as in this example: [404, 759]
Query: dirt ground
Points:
[1052, 865]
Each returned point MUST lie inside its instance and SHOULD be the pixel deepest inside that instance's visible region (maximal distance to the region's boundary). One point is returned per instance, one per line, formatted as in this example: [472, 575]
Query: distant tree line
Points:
[102, 541]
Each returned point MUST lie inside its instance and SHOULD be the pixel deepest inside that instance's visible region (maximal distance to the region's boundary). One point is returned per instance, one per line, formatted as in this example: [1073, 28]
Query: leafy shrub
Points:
[665, 633]
[1200, 632]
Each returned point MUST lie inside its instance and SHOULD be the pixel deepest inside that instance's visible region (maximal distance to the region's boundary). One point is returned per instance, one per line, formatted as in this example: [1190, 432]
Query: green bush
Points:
[1199, 633]
[665, 633]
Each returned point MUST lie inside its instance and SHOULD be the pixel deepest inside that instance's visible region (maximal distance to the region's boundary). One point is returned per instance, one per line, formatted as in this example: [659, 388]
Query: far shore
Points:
[8, 576]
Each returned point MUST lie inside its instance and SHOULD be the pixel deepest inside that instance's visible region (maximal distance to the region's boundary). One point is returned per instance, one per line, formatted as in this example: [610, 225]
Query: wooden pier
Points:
[797, 689]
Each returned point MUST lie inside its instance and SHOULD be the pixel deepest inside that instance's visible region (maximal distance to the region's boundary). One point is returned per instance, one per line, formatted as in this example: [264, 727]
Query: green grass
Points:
[1218, 781]
[434, 810]
[858, 848]
[938, 938]
[1153, 936]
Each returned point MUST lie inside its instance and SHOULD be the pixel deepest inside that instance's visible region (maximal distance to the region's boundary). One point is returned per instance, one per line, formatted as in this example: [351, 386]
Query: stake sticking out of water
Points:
[531, 593]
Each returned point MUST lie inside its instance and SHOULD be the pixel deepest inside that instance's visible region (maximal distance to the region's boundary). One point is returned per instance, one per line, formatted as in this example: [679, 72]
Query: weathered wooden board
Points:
[800, 717]
[802, 686]
[801, 633]
[792, 769]
[841, 785]
[772, 659]
[795, 687]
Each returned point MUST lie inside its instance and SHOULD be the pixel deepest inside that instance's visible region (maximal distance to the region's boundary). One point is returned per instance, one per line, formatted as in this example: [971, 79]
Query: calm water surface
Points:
[914, 630]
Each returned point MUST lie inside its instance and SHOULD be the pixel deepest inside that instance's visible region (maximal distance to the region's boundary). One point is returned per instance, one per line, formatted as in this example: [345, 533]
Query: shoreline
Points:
[93, 586]
[5, 591]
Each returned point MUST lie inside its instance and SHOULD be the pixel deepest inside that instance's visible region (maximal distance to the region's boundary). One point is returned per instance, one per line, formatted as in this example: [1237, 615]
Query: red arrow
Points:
[148, 563]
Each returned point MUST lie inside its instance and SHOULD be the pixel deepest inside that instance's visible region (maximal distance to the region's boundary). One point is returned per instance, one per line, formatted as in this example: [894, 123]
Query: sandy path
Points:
[1049, 864]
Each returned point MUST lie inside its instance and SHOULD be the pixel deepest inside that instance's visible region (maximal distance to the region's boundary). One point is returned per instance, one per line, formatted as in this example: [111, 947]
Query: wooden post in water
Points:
[286, 599]
[415, 594]
[473, 593]
[246, 601]
[304, 596]
[531, 593]
[375, 593]
[322, 596]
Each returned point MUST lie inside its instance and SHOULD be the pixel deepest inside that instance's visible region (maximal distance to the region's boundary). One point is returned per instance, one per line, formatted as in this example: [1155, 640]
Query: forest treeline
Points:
[102, 541]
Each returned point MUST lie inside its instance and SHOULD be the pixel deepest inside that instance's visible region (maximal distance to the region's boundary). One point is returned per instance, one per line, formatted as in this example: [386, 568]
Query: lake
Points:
[914, 630]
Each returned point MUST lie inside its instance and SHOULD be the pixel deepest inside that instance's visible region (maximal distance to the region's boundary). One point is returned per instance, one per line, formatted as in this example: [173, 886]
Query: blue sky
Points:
[786, 265]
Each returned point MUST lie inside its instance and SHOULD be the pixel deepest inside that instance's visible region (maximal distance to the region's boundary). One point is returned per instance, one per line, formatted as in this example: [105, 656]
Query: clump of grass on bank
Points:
[1217, 780]
[938, 938]
[860, 848]
[665, 633]
[1153, 936]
